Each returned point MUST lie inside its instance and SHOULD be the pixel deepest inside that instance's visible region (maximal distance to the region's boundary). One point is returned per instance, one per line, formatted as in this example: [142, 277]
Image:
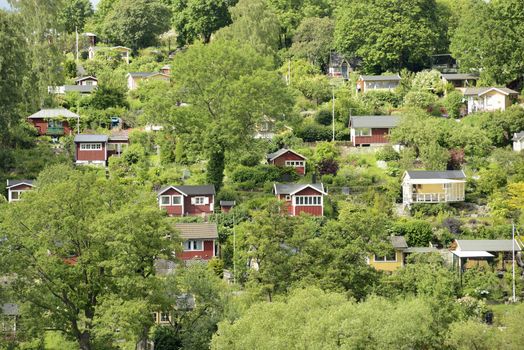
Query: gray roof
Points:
[89, 77]
[280, 152]
[291, 188]
[489, 245]
[91, 138]
[80, 88]
[192, 190]
[518, 135]
[227, 203]
[374, 121]
[447, 174]
[380, 77]
[197, 230]
[53, 113]
[398, 242]
[11, 183]
[482, 90]
[10, 309]
[460, 76]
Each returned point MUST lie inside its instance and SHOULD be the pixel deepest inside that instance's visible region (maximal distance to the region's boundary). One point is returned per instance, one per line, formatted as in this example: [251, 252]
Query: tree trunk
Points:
[85, 341]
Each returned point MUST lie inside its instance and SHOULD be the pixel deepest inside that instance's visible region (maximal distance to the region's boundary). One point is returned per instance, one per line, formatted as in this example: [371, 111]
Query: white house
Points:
[15, 188]
[488, 99]
[134, 78]
[367, 83]
[518, 141]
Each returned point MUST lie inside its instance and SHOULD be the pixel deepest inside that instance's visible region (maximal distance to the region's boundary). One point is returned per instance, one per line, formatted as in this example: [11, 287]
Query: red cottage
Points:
[287, 157]
[187, 200]
[96, 149]
[200, 241]
[54, 122]
[15, 188]
[371, 130]
[301, 198]
[226, 206]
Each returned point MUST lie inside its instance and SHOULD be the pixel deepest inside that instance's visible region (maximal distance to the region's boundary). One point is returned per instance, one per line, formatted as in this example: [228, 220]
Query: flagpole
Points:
[513, 265]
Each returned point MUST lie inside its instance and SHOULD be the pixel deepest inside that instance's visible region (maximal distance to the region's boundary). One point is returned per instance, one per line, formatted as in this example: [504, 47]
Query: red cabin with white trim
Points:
[187, 200]
[15, 188]
[200, 241]
[301, 198]
[287, 157]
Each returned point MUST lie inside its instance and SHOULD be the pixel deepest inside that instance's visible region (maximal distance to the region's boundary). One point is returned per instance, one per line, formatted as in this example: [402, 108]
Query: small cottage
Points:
[366, 83]
[497, 253]
[421, 186]
[371, 130]
[15, 189]
[54, 122]
[86, 81]
[395, 258]
[96, 149]
[187, 200]
[200, 241]
[460, 80]
[134, 78]
[489, 99]
[289, 158]
[301, 198]
[518, 141]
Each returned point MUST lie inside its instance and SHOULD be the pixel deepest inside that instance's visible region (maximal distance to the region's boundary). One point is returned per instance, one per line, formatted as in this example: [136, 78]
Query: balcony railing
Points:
[435, 198]
[55, 131]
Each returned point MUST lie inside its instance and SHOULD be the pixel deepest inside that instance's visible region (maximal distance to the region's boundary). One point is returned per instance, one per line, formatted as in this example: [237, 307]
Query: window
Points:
[308, 200]
[165, 200]
[15, 195]
[363, 132]
[192, 245]
[295, 163]
[389, 257]
[200, 200]
[288, 197]
[164, 317]
[90, 146]
[177, 200]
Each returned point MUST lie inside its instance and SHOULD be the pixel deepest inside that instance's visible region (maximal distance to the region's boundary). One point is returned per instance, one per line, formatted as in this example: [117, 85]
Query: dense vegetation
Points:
[78, 253]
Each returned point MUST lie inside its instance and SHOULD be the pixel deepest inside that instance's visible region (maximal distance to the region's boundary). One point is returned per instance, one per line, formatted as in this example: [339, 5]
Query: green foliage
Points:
[384, 39]
[254, 177]
[378, 100]
[215, 168]
[418, 233]
[491, 179]
[313, 40]
[310, 132]
[324, 117]
[482, 283]
[420, 99]
[434, 156]
[472, 335]
[387, 154]
[74, 15]
[136, 24]
[429, 81]
[453, 102]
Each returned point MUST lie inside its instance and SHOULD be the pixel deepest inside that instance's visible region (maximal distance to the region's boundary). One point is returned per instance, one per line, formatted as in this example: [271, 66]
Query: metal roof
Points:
[518, 135]
[398, 242]
[374, 121]
[89, 77]
[10, 309]
[53, 113]
[460, 76]
[282, 151]
[482, 90]
[489, 245]
[91, 138]
[227, 203]
[380, 77]
[197, 230]
[425, 174]
[293, 188]
[12, 183]
[80, 88]
[472, 254]
[191, 190]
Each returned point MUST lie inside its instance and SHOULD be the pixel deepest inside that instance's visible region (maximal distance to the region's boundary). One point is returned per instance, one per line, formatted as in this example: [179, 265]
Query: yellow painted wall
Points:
[387, 266]
[431, 188]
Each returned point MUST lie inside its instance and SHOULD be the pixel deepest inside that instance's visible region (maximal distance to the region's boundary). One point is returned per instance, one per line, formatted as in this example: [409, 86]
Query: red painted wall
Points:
[206, 254]
[313, 209]
[173, 210]
[90, 155]
[281, 161]
[41, 125]
[377, 136]
[189, 209]
[21, 188]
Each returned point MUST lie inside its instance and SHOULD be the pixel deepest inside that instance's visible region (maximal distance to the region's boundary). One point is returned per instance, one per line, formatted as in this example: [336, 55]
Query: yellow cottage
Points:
[420, 186]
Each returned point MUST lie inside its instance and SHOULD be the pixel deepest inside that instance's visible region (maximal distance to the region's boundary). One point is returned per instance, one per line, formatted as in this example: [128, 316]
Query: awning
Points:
[435, 181]
[472, 254]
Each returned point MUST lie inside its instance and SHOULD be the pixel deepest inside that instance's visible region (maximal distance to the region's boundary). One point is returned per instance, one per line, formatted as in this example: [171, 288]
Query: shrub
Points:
[387, 154]
[420, 99]
[453, 102]
[416, 232]
[324, 117]
[314, 132]
[453, 225]
[327, 166]
[250, 177]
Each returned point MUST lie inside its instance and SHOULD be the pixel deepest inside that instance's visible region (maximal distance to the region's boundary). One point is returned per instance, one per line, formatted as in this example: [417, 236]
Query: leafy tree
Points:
[193, 19]
[381, 33]
[491, 178]
[417, 232]
[83, 249]
[434, 156]
[136, 24]
[313, 40]
[428, 80]
[472, 335]
[453, 102]
[75, 13]
[215, 168]
[254, 22]
[420, 99]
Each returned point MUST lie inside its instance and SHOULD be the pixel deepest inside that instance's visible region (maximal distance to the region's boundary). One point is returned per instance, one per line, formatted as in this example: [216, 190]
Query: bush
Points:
[251, 177]
[327, 166]
[453, 102]
[420, 99]
[387, 154]
[324, 117]
[453, 225]
[416, 232]
[314, 132]
[378, 99]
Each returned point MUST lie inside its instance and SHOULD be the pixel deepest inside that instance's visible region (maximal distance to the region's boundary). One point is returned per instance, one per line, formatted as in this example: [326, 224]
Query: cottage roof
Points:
[460, 76]
[479, 91]
[518, 136]
[227, 203]
[91, 138]
[146, 74]
[80, 88]
[13, 183]
[191, 190]
[291, 189]
[10, 309]
[49, 113]
[197, 230]
[488, 245]
[398, 242]
[89, 77]
[282, 151]
[395, 77]
[429, 175]
[374, 121]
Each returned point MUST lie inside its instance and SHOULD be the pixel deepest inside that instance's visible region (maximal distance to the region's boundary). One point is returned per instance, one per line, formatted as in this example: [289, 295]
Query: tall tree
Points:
[83, 249]
[313, 40]
[75, 13]
[136, 23]
[389, 34]
[198, 19]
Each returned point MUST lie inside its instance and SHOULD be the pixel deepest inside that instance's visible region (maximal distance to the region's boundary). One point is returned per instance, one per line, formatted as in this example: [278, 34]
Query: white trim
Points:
[198, 198]
[191, 249]
[287, 150]
[308, 198]
[21, 183]
[310, 186]
[299, 163]
[385, 259]
[172, 188]
[91, 144]
[160, 201]
[173, 200]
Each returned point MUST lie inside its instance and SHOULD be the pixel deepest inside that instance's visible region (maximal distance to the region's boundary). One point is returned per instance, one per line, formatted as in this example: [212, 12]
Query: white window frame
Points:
[200, 200]
[165, 205]
[19, 194]
[384, 258]
[359, 132]
[92, 146]
[162, 315]
[192, 246]
[181, 200]
[310, 201]
[295, 163]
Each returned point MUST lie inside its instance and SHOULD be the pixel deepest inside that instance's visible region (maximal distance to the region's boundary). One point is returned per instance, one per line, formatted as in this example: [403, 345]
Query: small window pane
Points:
[164, 200]
[177, 200]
